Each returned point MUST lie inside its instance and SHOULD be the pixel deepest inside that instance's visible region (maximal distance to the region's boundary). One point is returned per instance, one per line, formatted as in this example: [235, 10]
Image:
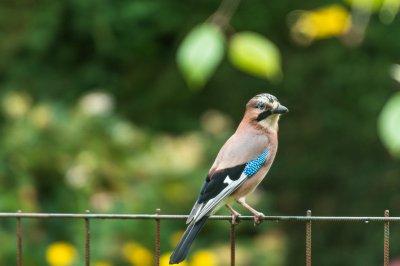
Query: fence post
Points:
[308, 240]
[19, 240]
[87, 240]
[386, 241]
[233, 244]
[158, 211]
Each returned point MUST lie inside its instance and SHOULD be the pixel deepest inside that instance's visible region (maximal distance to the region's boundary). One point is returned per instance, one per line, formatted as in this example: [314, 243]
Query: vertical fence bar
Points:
[308, 240]
[386, 241]
[158, 211]
[233, 244]
[19, 240]
[87, 240]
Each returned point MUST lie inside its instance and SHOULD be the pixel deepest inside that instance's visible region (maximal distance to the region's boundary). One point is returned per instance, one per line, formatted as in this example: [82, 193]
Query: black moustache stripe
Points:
[263, 115]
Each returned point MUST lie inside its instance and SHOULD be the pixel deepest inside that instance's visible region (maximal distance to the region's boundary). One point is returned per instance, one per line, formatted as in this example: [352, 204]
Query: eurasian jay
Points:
[240, 166]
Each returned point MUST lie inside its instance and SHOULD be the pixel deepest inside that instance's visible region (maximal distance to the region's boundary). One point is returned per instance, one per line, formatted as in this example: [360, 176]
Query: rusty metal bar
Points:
[214, 217]
[233, 244]
[386, 241]
[87, 240]
[308, 240]
[386, 219]
[19, 240]
[158, 240]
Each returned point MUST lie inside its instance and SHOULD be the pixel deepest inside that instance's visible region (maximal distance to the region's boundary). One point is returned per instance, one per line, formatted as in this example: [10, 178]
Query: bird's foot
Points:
[235, 214]
[258, 218]
[235, 218]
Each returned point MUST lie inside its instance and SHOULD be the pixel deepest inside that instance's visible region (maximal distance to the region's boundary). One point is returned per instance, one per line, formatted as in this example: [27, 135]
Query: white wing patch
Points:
[228, 180]
[212, 203]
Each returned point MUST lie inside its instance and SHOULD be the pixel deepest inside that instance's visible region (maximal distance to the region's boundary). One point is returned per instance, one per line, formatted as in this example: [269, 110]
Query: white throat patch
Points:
[271, 122]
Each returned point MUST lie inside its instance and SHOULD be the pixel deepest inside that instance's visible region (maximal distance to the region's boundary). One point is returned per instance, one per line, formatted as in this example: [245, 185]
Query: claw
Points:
[258, 218]
[235, 214]
[235, 218]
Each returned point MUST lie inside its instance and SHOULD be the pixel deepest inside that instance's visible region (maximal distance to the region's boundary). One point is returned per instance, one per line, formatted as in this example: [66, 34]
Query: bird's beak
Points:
[280, 110]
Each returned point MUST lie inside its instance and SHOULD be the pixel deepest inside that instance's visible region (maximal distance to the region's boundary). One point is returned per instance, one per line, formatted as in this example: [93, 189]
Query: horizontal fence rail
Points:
[184, 217]
[158, 217]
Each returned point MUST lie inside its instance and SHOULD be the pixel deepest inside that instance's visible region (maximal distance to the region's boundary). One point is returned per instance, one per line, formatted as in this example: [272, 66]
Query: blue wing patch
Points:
[253, 166]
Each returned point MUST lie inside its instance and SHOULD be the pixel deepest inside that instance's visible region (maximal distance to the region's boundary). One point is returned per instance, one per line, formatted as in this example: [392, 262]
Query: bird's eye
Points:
[260, 105]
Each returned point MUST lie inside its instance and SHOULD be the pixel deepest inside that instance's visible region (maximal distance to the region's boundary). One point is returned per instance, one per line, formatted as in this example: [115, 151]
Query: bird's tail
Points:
[186, 241]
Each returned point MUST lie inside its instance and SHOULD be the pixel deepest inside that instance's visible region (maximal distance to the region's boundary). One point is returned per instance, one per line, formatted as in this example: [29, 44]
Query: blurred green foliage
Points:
[253, 53]
[95, 115]
[389, 126]
[200, 54]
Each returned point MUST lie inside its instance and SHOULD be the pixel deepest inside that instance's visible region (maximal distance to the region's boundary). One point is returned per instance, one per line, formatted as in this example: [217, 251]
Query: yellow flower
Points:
[61, 254]
[202, 258]
[137, 255]
[164, 260]
[326, 22]
[102, 263]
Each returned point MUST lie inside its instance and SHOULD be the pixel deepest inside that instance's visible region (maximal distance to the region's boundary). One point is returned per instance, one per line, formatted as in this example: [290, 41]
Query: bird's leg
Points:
[235, 214]
[257, 215]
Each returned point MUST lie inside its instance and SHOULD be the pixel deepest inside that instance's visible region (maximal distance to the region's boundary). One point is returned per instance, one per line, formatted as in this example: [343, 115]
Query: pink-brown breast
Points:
[252, 182]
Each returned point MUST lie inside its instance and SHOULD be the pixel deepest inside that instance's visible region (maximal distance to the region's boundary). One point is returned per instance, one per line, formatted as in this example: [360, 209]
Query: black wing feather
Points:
[214, 183]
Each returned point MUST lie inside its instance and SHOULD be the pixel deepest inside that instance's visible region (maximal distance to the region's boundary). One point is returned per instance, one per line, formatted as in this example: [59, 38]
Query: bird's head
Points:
[264, 109]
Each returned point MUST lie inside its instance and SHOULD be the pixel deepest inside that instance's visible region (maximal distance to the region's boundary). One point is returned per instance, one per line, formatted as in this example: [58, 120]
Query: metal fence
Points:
[158, 217]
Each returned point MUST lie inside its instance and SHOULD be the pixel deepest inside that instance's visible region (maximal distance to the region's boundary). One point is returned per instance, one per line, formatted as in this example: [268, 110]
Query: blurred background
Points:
[121, 107]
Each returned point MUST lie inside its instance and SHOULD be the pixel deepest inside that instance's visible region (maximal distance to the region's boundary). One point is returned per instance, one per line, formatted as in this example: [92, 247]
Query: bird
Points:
[240, 166]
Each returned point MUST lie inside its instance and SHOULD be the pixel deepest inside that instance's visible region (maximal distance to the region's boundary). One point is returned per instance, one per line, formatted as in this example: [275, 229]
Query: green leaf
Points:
[389, 10]
[256, 55]
[389, 125]
[200, 53]
[366, 5]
